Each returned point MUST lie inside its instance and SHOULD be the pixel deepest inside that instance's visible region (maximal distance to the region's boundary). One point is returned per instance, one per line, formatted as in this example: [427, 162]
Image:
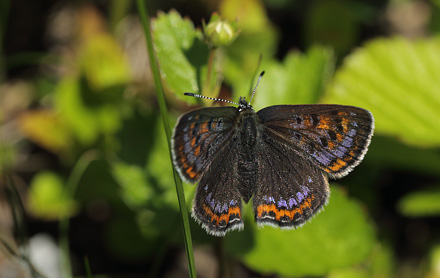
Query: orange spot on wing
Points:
[193, 142]
[339, 137]
[284, 212]
[204, 128]
[225, 216]
[307, 122]
[190, 172]
[197, 151]
[336, 166]
[213, 124]
[331, 145]
[324, 123]
[345, 124]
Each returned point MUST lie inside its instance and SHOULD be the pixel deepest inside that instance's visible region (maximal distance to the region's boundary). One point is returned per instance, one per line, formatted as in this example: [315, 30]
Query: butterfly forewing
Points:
[333, 137]
[197, 137]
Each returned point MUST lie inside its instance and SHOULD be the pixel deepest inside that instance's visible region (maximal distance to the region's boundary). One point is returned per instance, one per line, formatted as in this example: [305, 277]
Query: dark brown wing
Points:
[217, 204]
[333, 137]
[197, 137]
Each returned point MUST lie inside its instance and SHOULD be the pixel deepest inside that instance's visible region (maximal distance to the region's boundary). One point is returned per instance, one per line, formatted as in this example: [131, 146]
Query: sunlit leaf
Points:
[300, 79]
[421, 203]
[46, 129]
[180, 52]
[47, 198]
[339, 236]
[398, 81]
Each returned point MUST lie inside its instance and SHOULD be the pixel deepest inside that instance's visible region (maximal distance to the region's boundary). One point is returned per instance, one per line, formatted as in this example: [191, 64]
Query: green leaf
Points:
[47, 198]
[421, 203]
[180, 51]
[397, 80]
[339, 236]
[299, 79]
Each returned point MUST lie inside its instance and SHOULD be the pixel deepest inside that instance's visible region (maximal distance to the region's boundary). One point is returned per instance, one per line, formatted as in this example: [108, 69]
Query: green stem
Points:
[143, 14]
[207, 89]
[87, 265]
[71, 186]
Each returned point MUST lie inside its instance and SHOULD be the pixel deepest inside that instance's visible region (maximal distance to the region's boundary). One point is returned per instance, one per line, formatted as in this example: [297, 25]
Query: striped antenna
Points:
[210, 98]
[255, 89]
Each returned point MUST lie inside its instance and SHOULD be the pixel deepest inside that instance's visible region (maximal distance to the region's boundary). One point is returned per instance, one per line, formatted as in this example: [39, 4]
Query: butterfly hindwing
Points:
[217, 204]
[290, 189]
[333, 137]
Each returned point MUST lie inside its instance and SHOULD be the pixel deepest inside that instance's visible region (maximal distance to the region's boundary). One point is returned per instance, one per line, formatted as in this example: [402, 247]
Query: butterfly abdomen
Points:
[247, 165]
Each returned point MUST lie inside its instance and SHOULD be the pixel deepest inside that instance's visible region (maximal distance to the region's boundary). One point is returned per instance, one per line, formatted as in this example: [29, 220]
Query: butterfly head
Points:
[243, 104]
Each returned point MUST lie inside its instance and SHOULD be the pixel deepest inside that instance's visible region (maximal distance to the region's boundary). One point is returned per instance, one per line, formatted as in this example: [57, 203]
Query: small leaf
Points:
[421, 203]
[299, 79]
[180, 51]
[397, 80]
[47, 198]
[339, 236]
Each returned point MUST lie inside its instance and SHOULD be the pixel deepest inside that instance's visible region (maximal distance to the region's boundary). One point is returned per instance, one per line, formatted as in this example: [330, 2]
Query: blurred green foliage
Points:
[338, 237]
[94, 100]
[48, 199]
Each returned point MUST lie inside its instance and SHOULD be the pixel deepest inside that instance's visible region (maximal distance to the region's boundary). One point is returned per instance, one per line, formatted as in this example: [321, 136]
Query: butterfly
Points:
[280, 156]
